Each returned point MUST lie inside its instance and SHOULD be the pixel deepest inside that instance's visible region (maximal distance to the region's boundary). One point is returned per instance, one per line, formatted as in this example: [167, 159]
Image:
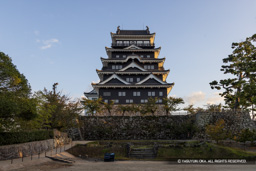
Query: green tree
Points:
[213, 107]
[192, 110]
[91, 106]
[239, 92]
[11, 80]
[217, 131]
[109, 106]
[124, 108]
[171, 104]
[61, 112]
[149, 107]
[15, 102]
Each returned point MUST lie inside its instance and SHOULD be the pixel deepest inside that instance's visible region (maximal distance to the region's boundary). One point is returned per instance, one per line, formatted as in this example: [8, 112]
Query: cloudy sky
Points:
[62, 40]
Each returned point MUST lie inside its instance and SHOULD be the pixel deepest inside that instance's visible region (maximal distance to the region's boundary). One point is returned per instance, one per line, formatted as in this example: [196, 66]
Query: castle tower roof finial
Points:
[118, 30]
[147, 29]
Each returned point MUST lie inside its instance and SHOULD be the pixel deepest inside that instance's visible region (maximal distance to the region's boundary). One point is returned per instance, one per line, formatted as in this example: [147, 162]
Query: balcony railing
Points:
[136, 44]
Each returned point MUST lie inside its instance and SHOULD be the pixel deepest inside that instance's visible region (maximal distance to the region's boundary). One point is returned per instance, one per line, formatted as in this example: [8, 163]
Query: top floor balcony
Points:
[126, 44]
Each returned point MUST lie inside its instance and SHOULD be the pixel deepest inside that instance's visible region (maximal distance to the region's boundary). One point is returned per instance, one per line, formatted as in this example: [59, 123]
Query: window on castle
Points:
[146, 42]
[129, 101]
[148, 56]
[126, 43]
[152, 67]
[116, 101]
[106, 93]
[139, 43]
[124, 56]
[136, 93]
[106, 101]
[117, 66]
[160, 93]
[151, 93]
[122, 93]
[141, 56]
[130, 80]
[159, 101]
[143, 100]
[117, 56]
[119, 42]
[138, 79]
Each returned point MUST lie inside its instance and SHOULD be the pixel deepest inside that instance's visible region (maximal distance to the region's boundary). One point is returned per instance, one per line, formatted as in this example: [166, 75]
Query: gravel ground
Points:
[83, 165]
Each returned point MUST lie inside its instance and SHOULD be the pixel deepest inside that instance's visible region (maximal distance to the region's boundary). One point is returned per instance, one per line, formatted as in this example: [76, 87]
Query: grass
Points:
[206, 151]
[188, 149]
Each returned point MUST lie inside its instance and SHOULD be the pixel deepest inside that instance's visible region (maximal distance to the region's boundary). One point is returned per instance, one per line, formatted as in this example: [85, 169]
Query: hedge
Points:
[7, 138]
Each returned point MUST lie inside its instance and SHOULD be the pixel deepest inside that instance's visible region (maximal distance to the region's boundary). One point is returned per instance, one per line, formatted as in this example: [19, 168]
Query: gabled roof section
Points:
[91, 92]
[132, 47]
[114, 76]
[151, 76]
[133, 65]
[158, 60]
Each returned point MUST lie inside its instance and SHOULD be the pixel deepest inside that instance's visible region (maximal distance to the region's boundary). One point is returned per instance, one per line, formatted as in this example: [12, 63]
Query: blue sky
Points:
[62, 40]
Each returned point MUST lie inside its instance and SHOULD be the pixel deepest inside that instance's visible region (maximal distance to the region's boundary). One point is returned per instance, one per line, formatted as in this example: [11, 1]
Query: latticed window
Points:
[129, 101]
[106, 93]
[151, 93]
[121, 94]
[136, 93]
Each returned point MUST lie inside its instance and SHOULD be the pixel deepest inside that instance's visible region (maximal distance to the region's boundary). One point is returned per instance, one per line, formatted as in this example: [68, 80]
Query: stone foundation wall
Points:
[160, 127]
[25, 149]
[234, 121]
[136, 127]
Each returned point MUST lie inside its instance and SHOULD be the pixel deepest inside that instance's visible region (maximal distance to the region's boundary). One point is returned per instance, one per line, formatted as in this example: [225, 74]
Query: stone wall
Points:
[25, 149]
[234, 121]
[35, 147]
[159, 127]
[137, 127]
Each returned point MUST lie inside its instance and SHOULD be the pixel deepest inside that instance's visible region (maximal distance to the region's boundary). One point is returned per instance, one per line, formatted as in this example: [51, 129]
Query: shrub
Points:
[217, 131]
[246, 135]
[7, 138]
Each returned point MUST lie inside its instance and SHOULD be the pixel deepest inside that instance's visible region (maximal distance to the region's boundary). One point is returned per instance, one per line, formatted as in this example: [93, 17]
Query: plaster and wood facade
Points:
[132, 73]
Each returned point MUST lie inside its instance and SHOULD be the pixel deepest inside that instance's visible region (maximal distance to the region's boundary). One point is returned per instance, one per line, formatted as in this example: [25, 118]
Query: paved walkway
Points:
[37, 159]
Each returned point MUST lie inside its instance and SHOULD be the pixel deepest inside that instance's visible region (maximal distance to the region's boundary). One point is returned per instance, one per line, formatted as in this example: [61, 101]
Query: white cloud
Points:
[195, 97]
[215, 98]
[48, 43]
[96, 81]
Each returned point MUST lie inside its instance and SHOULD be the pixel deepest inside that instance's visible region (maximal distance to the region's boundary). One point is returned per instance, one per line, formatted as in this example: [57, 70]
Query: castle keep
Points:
[132, 73]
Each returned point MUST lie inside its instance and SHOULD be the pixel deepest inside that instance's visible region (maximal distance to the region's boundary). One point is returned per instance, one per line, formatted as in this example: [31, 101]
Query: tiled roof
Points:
[133, 32]
[91, 92]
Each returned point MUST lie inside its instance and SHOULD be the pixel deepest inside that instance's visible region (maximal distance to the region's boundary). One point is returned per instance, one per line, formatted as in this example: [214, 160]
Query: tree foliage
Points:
[171, 104]
[149, 107]
[192, 110]
[217, 131]
[108, 106]
[15, 102]
[92, 106]
[240, 91]
[57, 111]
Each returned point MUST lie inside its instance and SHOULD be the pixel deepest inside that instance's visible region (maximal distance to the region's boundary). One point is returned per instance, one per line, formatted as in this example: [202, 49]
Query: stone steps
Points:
[59, 159]
[147, 153]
